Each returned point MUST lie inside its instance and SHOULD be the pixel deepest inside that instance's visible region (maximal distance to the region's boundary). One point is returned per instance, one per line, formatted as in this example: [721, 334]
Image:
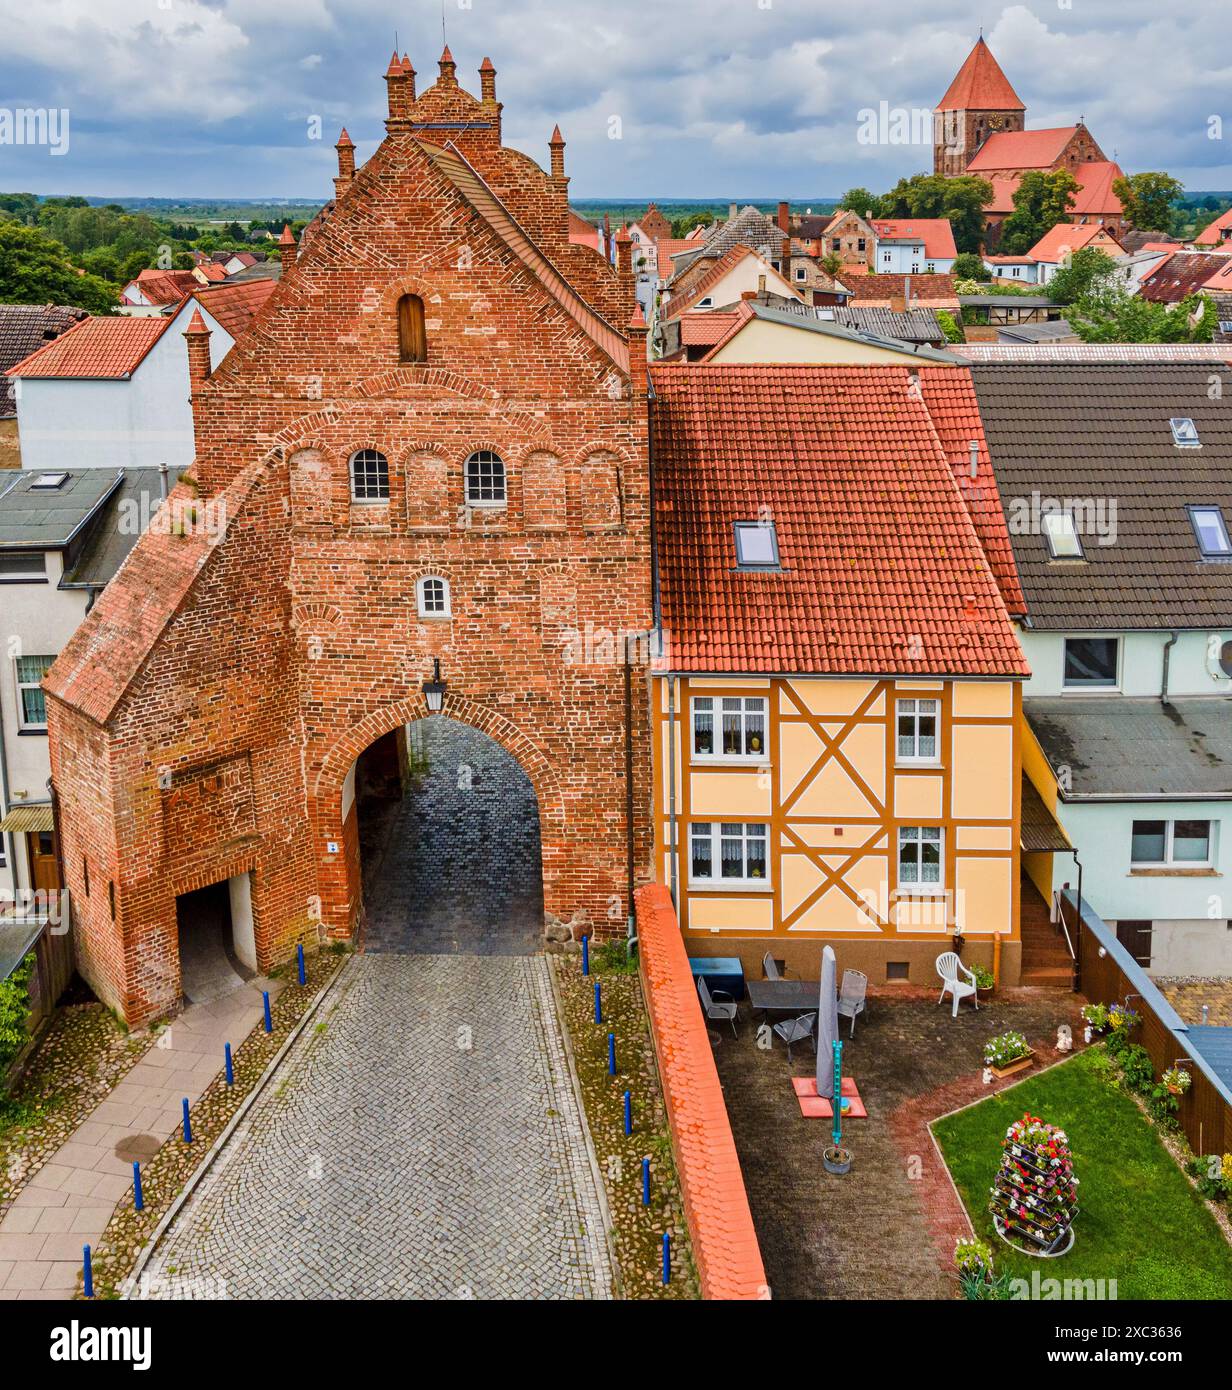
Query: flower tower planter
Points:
[1035, 1198]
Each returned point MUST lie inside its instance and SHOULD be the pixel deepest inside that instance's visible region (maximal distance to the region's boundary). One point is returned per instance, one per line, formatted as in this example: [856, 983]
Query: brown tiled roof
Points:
[980, 85]
[882, 570]
[234, 305]
[885, 287]
[24, 328]
[1183, 273]
[109, 348]
[1101, 434]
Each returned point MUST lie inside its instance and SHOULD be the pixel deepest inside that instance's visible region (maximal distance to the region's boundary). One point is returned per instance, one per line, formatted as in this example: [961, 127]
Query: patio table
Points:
[783, 996]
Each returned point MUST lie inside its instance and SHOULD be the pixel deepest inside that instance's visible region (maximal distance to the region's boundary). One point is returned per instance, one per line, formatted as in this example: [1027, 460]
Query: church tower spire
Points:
[978, 103]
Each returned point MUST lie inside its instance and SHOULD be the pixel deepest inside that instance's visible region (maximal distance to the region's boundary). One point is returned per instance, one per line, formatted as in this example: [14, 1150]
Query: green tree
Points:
[859, 200]
[953, 333]
[23, 206]
[681, 226]
[1147, 199]
[1085, 275]
[35, 269]
[1110, 314]
[831, 264]
[1041, 200]
[969, 266]
[961, 200]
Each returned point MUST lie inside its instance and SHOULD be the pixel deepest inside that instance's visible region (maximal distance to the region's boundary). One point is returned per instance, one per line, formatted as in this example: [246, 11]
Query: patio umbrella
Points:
[827, 1026]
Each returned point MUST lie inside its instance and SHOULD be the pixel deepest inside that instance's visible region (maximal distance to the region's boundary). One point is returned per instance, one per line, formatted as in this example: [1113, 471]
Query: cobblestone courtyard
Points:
[455, 865]
[421, 1140]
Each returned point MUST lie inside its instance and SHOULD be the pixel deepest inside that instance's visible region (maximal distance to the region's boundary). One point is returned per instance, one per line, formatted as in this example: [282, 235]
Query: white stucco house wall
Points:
[112, 393]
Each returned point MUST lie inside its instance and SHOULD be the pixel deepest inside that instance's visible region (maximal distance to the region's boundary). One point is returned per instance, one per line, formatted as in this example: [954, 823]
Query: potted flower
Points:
[1177, 1080]
[985, 981]
[1095, 1016]
[1007, 1053]
[1122, 1019]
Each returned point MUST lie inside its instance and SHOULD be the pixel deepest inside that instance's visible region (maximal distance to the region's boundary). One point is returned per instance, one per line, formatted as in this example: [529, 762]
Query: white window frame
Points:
[479, 457]
[1083, 687]
[718, 831]
[920, 889]
[421, 598]
[369, 501]
[1063, 530]
[1169, 861]
[713, 706]
[20, 576]
[763, 529]
[1216, 511]
[916, 758]
[22, 721]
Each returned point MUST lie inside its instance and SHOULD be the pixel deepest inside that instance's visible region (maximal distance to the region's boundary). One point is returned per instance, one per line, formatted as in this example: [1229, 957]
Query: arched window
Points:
[432, 597]
[369, 476]
[485, 479]
[412, 334]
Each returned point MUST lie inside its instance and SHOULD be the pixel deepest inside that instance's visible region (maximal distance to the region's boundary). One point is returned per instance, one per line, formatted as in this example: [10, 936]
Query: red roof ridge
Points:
[980, 85]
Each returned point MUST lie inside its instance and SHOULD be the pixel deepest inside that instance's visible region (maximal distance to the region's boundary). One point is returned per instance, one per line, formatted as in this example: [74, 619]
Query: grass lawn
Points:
[1140, 1222]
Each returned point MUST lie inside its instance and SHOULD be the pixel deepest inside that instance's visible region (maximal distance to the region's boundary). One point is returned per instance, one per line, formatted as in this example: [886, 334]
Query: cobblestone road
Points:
[421, 1140]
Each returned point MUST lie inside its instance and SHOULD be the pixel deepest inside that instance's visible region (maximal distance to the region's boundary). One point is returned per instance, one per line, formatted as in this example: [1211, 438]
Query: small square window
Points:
[48, 482]
[1090, 662]
[1211, 531]
[1184, 432]
[1062, 536]
[757, 545]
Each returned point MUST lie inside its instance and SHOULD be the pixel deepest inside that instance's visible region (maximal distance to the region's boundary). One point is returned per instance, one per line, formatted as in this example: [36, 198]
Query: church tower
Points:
[978, 103]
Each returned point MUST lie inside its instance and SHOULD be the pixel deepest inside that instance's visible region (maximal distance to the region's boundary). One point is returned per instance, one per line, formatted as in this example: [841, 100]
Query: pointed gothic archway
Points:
[449, 844]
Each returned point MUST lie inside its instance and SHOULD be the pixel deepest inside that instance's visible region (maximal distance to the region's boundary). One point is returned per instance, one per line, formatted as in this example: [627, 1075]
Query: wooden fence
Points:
[53, 968]
[1108, 974]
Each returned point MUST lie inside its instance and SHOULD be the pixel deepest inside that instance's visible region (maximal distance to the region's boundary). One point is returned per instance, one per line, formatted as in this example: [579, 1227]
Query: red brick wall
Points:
[716, 1205]
[253, 672]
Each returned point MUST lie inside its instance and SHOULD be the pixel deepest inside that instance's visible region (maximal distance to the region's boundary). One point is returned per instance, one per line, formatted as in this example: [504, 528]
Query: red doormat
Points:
[815, 1107]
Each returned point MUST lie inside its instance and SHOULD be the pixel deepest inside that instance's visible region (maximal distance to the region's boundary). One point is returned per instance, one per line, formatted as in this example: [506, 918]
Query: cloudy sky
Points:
[715, 98]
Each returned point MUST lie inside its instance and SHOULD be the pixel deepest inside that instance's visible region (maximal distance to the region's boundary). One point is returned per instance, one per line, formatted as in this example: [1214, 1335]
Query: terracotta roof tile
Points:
[1066, 236]
[109, 348]
[923, 287]
[883, 572]
[24, 328]
[235, 305]
[707, 328]
[1213, 234]
[936, 233]
[1022, 149]
[980, 85]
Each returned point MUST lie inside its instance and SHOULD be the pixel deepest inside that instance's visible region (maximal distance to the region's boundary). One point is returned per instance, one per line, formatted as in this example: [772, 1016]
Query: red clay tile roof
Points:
[1066, 236]
[1094, 196]
[1022, 149]
[106, 348]
[1182, 274]
[24, 328]
[667, 247]
[955, 413]
[213, 273]
[729, 1263]
[980, 85]
[166, 286]
[923, 287]
[234, 305]
[1211, 235]
[936, 233]
[883, 572]
[706, 328]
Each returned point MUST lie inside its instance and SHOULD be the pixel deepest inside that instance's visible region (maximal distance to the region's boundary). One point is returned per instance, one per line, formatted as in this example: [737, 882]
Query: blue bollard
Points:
[299, 959]
[611, 1054]
[138, 1202]
[628, 1112]
[586, 955]
[87, 1272]
[187, 1123]
[230, 1067]
[269, 1022]
[645, 1182]
[667, 1258]
[598, 1004]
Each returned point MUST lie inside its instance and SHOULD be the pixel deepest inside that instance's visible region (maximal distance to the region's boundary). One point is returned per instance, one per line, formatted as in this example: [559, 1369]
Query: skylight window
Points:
[1212, 532]
[1062, 536]
[1184, 432]
[47, 481]
[757, 545]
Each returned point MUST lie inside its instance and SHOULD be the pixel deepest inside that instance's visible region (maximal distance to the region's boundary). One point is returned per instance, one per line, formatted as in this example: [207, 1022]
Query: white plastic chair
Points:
[949, 968]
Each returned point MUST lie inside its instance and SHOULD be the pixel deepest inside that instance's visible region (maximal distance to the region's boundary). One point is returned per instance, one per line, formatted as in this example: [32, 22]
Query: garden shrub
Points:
[15, 1011]
[1139, 1072]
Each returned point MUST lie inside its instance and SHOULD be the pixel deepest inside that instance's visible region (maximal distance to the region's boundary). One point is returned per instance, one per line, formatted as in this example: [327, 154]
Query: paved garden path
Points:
[421, 1140]
[68, 1202]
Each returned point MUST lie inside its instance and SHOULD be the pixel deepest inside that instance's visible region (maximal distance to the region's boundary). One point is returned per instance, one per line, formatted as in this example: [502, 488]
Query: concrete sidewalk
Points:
[69, 1201]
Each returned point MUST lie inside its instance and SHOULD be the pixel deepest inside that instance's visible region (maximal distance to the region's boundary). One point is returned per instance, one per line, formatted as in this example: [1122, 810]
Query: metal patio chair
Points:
[851, 996]
[719, 1005]
[794, 1030]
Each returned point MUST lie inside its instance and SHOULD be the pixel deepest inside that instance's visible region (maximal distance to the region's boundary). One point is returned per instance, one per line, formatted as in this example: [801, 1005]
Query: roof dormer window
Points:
[1062, 536]
[49, 482]
[757, 545]
[1212, 532]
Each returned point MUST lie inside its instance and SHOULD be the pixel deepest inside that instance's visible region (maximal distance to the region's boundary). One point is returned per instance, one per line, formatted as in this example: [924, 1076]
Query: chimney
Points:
[286, 244]
[395, 83]
[197, 336]
[731, 211]
[785, 219]
[346, 163]
[449, 69]
[557, 147]
[637, 350]
[975, 458]
[408, 74]
[906, 292]
[487, 81]
[624, 251]
[761, 287]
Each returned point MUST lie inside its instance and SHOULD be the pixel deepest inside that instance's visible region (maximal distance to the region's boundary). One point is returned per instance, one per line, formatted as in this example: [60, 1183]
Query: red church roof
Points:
[980, 85]
[1022, 149]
